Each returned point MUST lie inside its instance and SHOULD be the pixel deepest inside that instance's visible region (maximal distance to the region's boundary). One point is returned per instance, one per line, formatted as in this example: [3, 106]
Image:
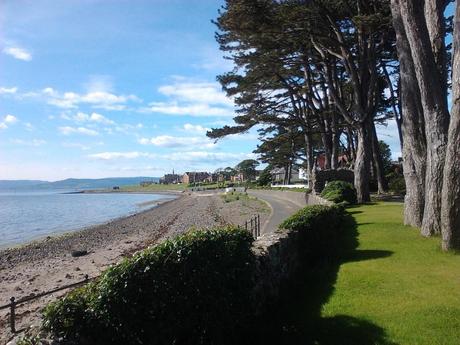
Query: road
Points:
[282, 203]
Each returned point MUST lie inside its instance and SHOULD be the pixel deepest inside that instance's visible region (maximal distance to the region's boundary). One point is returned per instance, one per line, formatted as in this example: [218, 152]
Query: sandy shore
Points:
[48, 264]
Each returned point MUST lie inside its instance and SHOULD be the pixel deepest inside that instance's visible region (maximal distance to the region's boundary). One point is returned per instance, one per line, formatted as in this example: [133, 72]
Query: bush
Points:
[396, 183]
[193, 289]
[340, 191]
[319, 229]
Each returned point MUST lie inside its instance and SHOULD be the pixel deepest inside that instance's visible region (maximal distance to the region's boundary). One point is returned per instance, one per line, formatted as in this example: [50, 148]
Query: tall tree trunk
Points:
[434, 16]
[377, 158]
[412, 126]
[327, 150]
[351, 143]
[335, 143]
[450, 211]
[434, 110]
[310, 160]
[362, 162]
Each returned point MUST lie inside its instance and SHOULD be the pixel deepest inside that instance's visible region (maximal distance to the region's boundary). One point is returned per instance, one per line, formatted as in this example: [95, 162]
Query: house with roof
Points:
[195, 177]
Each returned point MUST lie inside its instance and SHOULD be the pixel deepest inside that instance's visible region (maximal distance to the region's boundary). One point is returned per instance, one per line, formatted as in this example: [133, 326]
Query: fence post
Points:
[12, 314]
[246, 225]
[252, 228]
[258, 225]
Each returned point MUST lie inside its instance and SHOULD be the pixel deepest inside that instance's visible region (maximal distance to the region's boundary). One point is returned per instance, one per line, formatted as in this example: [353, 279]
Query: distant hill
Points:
[74, 183]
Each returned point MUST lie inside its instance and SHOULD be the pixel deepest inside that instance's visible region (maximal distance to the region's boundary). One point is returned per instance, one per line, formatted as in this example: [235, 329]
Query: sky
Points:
[100, 88]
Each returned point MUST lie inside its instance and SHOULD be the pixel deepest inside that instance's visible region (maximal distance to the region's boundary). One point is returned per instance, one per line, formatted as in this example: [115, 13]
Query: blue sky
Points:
[97, 88]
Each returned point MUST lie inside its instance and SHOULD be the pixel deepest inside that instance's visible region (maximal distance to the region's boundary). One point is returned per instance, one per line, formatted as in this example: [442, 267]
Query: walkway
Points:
[282, 203]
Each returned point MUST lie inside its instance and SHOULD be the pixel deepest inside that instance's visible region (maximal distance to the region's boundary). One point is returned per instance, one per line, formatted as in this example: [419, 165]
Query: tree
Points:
[248, 168]
[420, 38]
[265, 177]
[386, 156]
[312, 65]
[450, 204]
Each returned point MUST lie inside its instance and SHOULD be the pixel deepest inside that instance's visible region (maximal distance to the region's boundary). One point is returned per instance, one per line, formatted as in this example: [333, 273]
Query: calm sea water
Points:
[25, 216]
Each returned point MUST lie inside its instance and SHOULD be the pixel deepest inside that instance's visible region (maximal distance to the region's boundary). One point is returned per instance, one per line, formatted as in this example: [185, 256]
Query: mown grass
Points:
[391, 286]
[153, 188]
[412, 293]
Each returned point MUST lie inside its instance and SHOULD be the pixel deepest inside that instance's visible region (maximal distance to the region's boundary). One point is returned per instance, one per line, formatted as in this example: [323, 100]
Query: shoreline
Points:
[69, 231]
[110, 191]
[47, 264]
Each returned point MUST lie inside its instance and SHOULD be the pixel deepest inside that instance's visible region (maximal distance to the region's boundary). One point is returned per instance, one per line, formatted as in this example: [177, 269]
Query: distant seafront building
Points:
[196, 176]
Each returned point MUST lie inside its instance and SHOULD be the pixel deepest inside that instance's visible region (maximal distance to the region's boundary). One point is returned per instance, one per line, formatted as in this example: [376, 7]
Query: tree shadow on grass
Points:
[297, 319]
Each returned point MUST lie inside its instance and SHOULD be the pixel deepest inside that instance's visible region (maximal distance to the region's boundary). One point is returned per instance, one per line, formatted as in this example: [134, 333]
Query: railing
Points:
[253, 225]
[14, 304]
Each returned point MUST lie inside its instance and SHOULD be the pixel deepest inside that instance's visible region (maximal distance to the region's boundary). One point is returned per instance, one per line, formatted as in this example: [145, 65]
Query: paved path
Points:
[282, 203]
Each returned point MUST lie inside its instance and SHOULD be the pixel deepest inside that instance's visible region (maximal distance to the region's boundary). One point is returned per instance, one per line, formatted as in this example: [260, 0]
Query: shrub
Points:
[193, 289]
[339, 191]
[396, 183]
[319, 229]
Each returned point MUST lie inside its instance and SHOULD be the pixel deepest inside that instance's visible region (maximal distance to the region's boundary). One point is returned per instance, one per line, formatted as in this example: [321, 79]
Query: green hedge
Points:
[340, 191]
[194, 289]
[319, 228]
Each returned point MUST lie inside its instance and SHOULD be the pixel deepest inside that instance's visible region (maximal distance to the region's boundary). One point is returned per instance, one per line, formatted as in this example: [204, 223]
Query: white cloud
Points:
[171, 141]
[98, 99]
[8, 120]
[94, 117]
[199, 92]
[6, 90]
[18, 53]
[192, 98]
[204, 156]
[198, 110]
[188, 127]
[106, 156]
[33, 142]
[67, 130]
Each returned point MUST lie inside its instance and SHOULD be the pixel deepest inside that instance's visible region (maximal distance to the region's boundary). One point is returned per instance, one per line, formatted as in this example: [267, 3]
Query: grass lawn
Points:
[153, 188]
[392, 287]
[411, 290]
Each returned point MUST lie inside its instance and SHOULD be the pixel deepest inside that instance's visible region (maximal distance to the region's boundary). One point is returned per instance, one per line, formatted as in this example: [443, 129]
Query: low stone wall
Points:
[277, 261]
[314, 199]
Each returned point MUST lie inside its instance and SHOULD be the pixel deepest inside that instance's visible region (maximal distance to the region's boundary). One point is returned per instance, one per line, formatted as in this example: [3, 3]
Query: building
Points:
[171, 179]
[195, 177]
[280, 176]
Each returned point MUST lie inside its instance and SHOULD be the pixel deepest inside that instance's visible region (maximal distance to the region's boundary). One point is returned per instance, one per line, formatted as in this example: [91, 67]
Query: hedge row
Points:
[194, 289]
[320, 230]
[340, 191]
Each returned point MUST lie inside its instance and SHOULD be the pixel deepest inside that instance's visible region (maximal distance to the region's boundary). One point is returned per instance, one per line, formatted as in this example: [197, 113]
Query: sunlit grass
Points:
[412, 293]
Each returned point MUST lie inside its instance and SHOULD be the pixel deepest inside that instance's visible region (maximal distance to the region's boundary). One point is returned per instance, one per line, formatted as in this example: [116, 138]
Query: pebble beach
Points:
[50, 263]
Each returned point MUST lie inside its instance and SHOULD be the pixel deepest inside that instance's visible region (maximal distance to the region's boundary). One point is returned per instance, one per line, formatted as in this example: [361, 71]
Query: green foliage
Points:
[189, 290]
[265, 177]
[384, 279]
[385, 152]
[319, 228]
[247, 168]
[234, 196]
[339, 191]
[396, 183]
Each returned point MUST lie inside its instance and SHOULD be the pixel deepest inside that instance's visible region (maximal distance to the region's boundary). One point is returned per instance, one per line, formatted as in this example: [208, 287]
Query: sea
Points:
[34, 214]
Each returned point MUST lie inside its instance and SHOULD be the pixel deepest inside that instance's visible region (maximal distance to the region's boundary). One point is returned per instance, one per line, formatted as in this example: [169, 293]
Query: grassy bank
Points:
[394, 287]
[153, 188]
